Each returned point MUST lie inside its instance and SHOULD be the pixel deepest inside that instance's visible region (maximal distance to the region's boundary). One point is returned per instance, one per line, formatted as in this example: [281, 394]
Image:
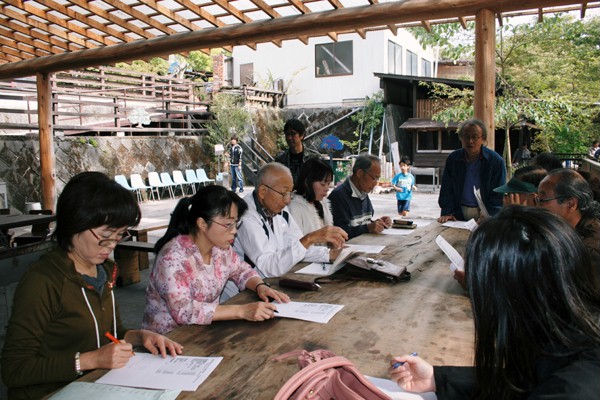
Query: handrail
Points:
[354, 111]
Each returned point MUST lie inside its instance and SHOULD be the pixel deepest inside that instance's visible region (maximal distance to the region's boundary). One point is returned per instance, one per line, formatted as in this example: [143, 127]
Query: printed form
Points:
[154, 372]
[315, 312]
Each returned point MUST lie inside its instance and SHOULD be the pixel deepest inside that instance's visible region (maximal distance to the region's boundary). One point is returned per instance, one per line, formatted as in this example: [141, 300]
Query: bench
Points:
[132, 256]
[434, 172]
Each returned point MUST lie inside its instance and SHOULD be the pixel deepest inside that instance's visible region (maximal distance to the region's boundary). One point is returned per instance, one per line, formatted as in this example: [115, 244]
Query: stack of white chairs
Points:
[203, 178]
[138, 184]
[180, 180]
[157, 185]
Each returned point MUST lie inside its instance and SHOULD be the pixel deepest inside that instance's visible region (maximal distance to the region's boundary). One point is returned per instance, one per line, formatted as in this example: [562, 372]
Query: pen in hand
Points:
[115, 340]
[400, 363]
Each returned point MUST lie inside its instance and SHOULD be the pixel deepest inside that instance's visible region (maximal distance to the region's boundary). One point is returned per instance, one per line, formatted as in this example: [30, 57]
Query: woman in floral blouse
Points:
[194, 262]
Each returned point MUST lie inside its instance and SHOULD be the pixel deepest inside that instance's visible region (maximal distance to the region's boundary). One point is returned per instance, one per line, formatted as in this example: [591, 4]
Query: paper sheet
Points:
[470, 224]
[95, 391]
[390, 388]
[323, 269]
[315, 312]
[482, 209]
[154, 372]
[451, 253]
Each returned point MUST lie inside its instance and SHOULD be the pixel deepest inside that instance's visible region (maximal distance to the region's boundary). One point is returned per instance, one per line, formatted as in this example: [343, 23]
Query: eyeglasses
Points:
[289, 195]
[375, 178]
[468, 138]
[230, 226]
[111, 242]
[539, 201]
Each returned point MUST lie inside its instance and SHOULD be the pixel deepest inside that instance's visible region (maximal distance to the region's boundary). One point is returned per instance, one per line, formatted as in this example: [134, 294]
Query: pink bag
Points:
[326, 376]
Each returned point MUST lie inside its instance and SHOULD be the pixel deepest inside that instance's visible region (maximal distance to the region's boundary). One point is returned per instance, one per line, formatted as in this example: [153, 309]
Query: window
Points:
[394, 58]
[425, 67]
[412, 63]
[437, 141]
[247, 74]
[333, 59]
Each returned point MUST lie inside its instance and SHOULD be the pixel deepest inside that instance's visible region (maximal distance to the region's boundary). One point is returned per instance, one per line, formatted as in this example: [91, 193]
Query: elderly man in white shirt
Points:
[269, 238]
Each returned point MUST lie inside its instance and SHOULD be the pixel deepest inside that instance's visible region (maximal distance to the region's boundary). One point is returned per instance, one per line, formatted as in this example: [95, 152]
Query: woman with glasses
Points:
[64, 305]
[536, 308]
[194, 262]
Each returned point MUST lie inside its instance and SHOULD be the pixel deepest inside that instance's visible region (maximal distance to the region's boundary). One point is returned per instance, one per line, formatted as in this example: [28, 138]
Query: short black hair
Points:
[295, 125]
[90, 200]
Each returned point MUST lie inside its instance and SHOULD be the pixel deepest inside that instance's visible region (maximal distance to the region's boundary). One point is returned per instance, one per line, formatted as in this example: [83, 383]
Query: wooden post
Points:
[47, 173]
[485, 71]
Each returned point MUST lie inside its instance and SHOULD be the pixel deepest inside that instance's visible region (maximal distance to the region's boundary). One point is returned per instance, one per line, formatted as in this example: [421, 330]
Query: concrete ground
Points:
[131, 299]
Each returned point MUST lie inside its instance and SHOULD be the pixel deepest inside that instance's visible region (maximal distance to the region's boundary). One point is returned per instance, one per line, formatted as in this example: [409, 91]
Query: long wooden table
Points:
[15, 221]
[429, 314]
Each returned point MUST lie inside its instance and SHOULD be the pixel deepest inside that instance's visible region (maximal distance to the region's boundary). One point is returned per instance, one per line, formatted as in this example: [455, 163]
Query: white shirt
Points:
[306, 216]
[274, 251]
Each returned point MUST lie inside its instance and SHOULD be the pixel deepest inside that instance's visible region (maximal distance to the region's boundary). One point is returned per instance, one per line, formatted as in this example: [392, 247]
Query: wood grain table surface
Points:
[430, 314]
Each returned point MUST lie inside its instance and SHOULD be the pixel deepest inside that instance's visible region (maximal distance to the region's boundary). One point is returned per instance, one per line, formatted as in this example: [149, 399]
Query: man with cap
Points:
[294, 156]
[523, 186]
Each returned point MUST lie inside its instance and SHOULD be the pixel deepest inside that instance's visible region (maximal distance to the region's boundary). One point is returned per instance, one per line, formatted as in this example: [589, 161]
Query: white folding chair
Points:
[156, 184]
[167, 180]
[190, 176]
[180, 180]
[203, 178]
[122, 180]
[138, 184]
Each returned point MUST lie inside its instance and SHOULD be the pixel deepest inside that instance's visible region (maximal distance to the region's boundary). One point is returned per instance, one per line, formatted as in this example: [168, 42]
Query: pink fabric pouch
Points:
[325, 376]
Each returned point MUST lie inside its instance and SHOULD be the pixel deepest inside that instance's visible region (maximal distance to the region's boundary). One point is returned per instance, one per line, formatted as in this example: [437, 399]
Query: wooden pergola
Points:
[40, 37]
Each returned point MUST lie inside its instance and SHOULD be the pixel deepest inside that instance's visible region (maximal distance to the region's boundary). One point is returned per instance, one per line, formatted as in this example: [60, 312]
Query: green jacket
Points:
[50, 322]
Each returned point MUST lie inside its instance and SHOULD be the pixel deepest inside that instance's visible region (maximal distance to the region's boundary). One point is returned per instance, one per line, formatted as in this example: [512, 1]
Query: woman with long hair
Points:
[310, 207]
[536, 307]
[194, 262]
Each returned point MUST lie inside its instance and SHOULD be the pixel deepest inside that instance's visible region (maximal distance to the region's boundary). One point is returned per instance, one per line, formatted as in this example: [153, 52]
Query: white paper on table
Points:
[95, 391]
[470, 224]
[323, 269]
[315, 312]
[145, 370]
[451, 253]
[366, 248]
[482, 209]
[390, 388]
[398, 232]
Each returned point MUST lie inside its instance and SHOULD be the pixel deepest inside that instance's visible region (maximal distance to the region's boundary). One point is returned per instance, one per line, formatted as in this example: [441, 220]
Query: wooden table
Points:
[429, 314]
[15, 221]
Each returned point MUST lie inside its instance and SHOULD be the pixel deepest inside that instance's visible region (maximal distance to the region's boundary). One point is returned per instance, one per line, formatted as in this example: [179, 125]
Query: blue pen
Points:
[399, 363]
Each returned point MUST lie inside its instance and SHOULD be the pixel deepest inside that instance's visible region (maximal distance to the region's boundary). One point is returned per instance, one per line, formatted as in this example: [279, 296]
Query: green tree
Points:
[368, 120]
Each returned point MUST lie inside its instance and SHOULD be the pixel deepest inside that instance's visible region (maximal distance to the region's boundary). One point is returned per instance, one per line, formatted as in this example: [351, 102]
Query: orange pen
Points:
[115, 340]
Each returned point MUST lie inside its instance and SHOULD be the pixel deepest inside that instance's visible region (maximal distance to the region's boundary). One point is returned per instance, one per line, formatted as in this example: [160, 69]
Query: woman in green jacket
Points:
[64, 305]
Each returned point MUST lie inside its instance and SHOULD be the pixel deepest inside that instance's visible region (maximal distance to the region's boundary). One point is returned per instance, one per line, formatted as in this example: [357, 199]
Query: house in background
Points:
[327, 73]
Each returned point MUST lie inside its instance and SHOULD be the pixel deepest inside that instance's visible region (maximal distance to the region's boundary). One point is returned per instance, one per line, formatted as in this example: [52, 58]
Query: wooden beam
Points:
[583, 8]
[393, 28]
[499, 16]
[284, 28]
[485, 71]
[47, 173]
[427, 25]
[463, 22]
[540, 15]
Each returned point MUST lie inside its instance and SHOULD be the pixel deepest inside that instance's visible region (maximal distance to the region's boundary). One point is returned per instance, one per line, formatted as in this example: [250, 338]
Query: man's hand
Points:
[446, 218]
[329, 234]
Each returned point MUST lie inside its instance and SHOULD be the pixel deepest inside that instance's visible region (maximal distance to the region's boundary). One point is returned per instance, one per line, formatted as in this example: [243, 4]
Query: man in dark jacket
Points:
[294, 156]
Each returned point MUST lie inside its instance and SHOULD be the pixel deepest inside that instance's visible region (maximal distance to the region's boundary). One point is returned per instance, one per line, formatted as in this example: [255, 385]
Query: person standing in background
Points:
[235, 160]
[294, 156]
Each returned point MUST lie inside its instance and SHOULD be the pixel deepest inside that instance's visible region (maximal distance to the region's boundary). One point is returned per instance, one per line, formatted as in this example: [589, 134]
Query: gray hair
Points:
[471, 123]
[266, 171]
[570, 183]
[364, 162]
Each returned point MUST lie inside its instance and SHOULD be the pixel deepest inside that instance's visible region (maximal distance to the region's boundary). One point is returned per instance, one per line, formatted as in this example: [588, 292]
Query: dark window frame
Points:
[330, 48]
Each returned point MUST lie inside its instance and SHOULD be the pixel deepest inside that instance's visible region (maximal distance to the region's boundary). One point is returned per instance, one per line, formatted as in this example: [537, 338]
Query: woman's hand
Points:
[264, 292]
[109, 356]
[513, 198]
[156, 343]
[415, 375]
[258, 311]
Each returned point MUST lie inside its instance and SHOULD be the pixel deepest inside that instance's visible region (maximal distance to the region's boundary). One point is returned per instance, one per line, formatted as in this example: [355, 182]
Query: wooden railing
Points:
[427, 108]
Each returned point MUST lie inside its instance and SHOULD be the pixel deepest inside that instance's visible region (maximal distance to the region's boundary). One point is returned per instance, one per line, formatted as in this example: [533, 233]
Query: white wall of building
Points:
[294, 62]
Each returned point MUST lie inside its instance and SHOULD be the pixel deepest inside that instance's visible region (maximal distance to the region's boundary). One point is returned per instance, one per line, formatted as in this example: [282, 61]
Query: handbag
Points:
[325, 376]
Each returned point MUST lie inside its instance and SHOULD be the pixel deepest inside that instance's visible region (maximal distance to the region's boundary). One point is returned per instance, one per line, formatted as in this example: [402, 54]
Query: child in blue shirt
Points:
[404, 184]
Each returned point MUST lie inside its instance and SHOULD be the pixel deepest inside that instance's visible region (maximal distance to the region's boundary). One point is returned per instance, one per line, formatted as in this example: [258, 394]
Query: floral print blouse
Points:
[183, 290]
